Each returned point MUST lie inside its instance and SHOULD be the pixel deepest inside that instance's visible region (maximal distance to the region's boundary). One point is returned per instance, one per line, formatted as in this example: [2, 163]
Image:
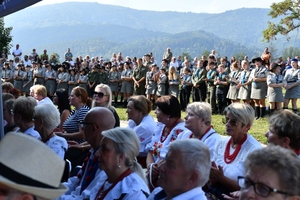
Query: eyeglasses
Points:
[259, 188]
[232, 122]
[99, 94]
[86, 123]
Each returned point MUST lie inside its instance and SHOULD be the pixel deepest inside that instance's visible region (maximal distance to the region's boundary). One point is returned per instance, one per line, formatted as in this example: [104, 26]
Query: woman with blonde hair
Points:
[174, 81]
[231, 152]
[103, 98]
[124, 177]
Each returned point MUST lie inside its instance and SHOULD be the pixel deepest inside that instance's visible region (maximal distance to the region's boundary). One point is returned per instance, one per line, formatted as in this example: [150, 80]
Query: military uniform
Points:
[103, 77]
[93, 79]
[148, 65]
[221, 91]
[211, 89]
[198, 79]
[138, 73]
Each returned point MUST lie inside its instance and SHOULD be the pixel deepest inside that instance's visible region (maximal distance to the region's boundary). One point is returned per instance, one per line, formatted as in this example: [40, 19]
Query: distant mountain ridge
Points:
[59, 26]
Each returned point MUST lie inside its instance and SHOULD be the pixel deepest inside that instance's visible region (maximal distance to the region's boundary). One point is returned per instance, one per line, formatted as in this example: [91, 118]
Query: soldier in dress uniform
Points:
[139, 78]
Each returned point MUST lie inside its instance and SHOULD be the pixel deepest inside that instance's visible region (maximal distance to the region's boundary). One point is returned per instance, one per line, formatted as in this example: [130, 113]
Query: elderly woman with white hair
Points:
[231, 152]
[46, 119]
[123, 177]
[184, 171]
[198, 121]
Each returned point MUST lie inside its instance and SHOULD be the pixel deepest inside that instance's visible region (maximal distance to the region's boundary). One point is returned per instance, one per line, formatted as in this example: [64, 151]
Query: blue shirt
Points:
[32, 133]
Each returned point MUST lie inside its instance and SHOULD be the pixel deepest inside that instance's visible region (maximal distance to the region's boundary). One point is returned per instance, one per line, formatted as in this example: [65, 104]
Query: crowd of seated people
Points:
[183, 157]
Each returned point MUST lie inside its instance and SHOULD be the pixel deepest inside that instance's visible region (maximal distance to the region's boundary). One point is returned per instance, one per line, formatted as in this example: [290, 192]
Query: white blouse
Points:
[236, 168]
[133, 186]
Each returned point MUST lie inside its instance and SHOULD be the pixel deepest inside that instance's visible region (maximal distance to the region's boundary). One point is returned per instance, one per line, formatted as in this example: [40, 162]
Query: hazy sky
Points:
[197, 6]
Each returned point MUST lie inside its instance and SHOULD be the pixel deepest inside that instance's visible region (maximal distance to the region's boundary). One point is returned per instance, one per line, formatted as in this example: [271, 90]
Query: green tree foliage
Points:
[290, 12]
[187, 55]
[56, 56]
[205, 53]
[5, 37]
[239, 55]
[274, 51]
[290, 52]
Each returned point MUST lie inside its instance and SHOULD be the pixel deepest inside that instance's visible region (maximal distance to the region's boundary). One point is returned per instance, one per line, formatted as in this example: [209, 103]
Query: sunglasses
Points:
[99, 94]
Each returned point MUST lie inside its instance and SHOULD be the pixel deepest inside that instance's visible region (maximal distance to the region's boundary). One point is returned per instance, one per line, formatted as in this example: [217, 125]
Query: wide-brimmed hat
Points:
[28, 165]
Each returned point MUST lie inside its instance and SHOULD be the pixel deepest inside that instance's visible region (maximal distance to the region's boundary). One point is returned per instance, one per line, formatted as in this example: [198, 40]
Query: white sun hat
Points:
[28, 165]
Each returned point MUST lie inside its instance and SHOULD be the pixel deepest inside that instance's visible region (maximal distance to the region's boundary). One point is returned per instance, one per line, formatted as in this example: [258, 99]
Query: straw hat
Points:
[28, 165]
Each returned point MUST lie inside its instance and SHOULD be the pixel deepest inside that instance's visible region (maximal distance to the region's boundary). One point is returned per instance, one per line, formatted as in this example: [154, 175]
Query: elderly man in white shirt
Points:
[184, 171]
[174, 63]
[17, 52]
[39, 92]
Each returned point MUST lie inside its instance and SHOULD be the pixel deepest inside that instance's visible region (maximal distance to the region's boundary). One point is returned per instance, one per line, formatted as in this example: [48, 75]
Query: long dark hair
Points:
[63, 100]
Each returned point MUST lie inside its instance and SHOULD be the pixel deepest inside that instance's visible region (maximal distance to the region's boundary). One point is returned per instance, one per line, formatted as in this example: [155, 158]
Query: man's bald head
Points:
[102, 117]
[98, 119]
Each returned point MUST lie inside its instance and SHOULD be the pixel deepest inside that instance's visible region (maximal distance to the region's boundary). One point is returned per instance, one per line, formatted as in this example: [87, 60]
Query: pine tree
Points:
[5, 37]
[290, 10]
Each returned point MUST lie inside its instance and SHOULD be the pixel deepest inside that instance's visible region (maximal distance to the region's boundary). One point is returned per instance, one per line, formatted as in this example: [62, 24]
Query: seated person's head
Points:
[7, 86]
[270, 168]
[40, 92]
[138, 104]
[284, 130]
[202, 110]
[7, 96]
[243, 112]
[8, 109]
[24, 109]
[47, 117]
[169, 105]
[187, 166]
[124, 146]
[93, 127]
[33, 174]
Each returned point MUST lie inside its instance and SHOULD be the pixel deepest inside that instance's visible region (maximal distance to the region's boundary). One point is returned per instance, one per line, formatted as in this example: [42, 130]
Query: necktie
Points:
[209, 74]
[197, 72]
[232, 77]
[244, 77]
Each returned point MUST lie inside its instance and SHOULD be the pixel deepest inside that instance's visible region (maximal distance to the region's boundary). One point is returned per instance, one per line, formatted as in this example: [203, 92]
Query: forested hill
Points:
[98, 29]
